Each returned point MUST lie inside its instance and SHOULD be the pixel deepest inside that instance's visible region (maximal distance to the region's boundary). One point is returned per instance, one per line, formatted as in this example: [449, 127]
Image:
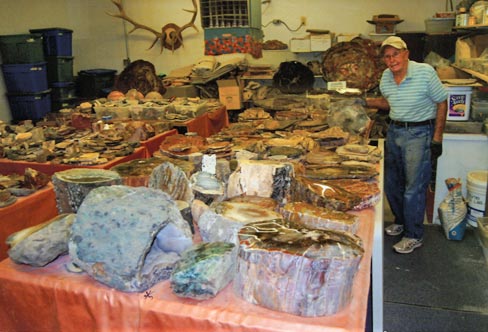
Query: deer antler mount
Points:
[170, 36]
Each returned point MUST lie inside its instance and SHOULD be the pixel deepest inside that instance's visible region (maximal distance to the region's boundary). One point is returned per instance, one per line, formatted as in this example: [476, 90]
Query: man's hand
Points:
[435, 150]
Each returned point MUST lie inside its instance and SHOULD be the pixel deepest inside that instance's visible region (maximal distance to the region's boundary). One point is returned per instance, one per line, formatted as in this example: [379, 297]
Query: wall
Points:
[98, 39]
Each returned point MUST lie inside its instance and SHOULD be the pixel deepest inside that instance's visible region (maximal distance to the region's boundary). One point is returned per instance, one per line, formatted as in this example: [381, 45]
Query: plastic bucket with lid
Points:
[458, 102]
[476, 195]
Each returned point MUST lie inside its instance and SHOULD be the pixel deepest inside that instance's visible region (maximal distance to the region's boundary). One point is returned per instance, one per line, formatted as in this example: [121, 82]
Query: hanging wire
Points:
[278, 21]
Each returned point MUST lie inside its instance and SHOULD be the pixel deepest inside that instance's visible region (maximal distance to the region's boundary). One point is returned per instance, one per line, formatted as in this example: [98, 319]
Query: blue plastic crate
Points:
[29, 106]
[56, 41]
[28, 77]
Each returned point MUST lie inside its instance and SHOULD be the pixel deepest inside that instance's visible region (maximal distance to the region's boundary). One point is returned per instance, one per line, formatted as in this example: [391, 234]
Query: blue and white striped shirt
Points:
[415, 99]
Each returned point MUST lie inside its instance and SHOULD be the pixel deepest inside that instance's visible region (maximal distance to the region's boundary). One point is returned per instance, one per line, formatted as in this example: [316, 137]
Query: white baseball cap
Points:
[393, 41]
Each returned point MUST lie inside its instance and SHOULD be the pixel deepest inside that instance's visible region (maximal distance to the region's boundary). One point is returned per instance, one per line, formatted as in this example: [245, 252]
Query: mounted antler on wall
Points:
[170, 35]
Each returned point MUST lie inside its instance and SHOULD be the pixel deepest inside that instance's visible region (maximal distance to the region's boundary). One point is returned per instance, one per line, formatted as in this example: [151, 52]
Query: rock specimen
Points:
[203, 270]
[323, 194]
[223, 220]
[368, 191]
[289, 268]
[316, 217]
[41, 244]
[172, 180]
[128, 238]
[207, 187]
[265, 178]
[72, 186]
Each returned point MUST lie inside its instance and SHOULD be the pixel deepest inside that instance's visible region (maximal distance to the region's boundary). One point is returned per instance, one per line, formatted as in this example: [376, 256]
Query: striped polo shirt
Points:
[415, 99]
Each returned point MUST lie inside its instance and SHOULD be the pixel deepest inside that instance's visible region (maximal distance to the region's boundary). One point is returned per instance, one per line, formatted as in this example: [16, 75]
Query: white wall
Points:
[98, 39]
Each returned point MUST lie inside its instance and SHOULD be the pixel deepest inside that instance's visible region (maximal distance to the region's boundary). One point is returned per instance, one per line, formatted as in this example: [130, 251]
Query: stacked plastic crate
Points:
[58, 51]
[25, 74]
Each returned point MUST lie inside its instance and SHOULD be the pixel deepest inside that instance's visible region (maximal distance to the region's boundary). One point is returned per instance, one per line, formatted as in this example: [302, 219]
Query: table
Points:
[8, 166]
[50, 299]
[208, 123]
[152, 144]
[26, 212]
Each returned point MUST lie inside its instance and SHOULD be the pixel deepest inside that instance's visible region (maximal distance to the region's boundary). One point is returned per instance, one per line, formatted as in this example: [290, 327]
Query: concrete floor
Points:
[442, 286]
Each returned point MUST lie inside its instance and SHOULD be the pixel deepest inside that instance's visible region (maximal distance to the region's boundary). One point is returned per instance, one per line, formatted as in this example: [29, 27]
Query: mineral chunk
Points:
[128, 238]
[172, 180]
[41, 244]
[289, 268]
[203, 270]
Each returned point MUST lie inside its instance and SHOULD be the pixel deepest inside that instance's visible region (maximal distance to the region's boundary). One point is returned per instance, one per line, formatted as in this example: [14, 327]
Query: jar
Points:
[472, 20]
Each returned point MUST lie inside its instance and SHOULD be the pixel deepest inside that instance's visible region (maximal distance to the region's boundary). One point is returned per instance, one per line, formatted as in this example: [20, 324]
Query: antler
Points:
[170, 35]
[123, 15]
[190, 24]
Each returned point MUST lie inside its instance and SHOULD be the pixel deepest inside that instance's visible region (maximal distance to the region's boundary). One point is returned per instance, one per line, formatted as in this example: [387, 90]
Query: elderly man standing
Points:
[416, 100]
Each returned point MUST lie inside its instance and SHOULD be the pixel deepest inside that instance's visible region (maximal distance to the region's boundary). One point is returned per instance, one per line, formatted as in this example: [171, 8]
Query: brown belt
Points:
[412, 124]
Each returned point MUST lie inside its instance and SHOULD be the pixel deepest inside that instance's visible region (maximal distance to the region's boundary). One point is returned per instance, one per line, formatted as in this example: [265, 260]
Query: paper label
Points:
[209, 163]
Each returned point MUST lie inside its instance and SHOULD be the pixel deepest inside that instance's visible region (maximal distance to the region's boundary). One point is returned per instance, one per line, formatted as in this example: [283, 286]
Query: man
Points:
[416, 100]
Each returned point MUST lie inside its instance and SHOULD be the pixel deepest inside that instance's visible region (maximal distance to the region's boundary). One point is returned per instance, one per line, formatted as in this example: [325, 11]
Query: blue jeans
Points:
[407, 174]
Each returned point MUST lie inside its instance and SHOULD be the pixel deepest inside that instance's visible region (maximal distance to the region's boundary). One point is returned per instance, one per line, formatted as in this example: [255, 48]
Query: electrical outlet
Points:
[303, 20]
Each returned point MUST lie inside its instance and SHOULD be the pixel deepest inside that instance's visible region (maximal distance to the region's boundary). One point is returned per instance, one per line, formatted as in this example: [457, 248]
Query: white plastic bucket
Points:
[476, 195]
[458, 102]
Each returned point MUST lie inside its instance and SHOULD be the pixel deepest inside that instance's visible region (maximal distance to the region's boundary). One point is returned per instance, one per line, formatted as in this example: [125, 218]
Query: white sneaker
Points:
[407, 245]
[394, 230]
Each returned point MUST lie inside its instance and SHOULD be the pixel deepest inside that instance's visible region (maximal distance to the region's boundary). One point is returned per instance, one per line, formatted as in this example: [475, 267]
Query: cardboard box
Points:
[298, 45]
[181, 91]
[320, 42]
[230, 94]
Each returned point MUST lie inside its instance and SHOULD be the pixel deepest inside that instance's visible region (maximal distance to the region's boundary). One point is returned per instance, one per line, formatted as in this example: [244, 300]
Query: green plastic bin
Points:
[26, 48]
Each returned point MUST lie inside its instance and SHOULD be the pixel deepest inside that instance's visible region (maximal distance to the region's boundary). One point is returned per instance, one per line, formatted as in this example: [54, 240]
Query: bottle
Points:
[462, 17]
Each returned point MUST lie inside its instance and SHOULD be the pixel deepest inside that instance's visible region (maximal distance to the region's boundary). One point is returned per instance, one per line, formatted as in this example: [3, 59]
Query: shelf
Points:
[472, 27]
[474, 73]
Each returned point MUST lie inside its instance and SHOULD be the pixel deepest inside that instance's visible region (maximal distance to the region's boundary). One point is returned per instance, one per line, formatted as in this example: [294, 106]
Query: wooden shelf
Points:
[474, 73]
[472, 27]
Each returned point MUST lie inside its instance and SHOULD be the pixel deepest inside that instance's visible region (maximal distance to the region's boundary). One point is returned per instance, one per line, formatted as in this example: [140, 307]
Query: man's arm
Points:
[440, 121]
[379, 102]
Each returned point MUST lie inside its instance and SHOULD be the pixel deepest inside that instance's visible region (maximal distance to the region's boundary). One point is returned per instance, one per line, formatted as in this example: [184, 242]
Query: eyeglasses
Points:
[394, 55]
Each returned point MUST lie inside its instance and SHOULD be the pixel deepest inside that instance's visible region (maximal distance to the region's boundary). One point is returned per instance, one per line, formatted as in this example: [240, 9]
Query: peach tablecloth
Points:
[51, 299]
[26, 212]
[152, 144]
[208, 123]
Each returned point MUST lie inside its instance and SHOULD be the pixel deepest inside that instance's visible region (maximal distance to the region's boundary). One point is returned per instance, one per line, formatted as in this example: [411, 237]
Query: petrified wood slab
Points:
[203, 270]
[289, 268]
[128, 238]
[72, 186]
[41, 244]
[323, 194]
[316, 217]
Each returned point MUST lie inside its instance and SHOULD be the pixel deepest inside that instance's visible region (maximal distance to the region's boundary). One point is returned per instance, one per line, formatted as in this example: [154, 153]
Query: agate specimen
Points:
[223, 220]
[128, 238]
[316, 217]
[172, 180]
[289, 268]
[203, 270]
[265, 178]
[41, 244]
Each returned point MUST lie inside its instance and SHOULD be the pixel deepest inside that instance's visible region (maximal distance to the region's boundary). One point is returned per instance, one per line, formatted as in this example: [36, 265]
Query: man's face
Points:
[395, 59]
